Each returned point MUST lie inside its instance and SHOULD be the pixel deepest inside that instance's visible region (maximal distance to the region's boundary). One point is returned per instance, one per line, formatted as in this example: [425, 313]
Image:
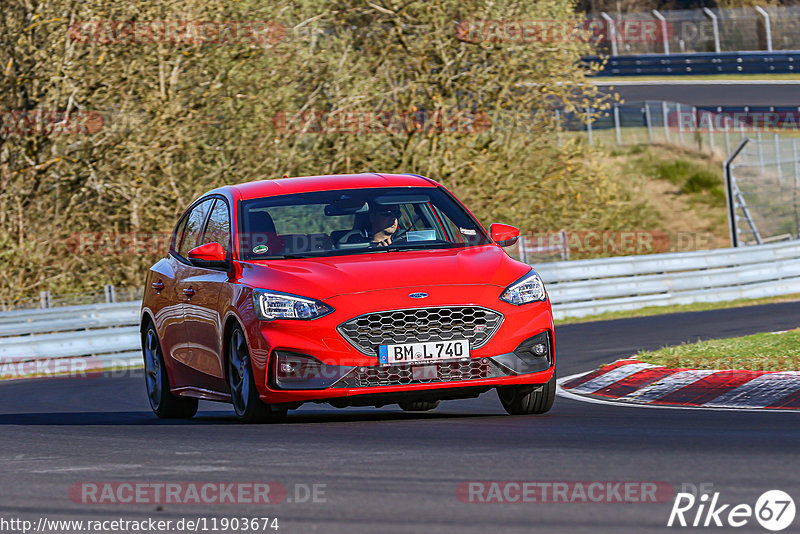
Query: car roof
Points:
[307, 184]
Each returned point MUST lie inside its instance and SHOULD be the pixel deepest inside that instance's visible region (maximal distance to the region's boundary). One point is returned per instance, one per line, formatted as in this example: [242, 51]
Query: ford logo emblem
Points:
[418, 295]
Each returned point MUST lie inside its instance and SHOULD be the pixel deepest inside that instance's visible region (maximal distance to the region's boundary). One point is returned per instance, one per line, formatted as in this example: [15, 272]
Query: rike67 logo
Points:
[774, 510]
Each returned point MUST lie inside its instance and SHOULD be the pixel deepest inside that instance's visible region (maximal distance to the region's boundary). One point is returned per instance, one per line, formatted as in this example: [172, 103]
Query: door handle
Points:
[188, 292]
[158, 286]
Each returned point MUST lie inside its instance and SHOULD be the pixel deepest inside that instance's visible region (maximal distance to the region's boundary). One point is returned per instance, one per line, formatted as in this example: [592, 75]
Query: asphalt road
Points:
[728, 93]
[388, 471]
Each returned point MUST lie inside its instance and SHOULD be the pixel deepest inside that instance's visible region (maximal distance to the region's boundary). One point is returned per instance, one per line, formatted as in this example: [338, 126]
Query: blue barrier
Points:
[700, 63]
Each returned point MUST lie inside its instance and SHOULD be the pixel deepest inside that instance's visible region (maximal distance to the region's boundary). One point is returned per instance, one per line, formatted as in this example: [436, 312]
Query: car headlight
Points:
[529, 288]
[271, 305]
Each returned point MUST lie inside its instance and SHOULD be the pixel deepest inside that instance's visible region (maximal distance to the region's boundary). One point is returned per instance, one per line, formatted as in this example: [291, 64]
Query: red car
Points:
[354, 290]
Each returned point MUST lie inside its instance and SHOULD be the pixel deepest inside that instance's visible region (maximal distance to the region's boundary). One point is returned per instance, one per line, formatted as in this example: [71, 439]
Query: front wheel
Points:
[244, 395]
[521, 400]
[164, 404]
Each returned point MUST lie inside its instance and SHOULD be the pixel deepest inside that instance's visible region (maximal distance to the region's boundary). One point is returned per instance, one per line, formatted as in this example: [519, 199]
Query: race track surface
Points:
[388, 471]
[727, 93]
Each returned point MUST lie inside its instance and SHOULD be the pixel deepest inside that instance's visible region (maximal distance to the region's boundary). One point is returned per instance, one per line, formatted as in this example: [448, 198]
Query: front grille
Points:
[396, 375]
[473, 323]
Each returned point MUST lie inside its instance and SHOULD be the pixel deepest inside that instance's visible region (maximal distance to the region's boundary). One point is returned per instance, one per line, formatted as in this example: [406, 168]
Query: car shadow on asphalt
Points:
[211, 418]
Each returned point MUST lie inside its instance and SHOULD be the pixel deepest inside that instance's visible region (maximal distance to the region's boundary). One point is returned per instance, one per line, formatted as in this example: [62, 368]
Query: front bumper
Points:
[490, 365]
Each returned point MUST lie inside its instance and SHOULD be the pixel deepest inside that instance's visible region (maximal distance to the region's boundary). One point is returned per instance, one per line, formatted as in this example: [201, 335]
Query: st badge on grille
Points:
[418, 295]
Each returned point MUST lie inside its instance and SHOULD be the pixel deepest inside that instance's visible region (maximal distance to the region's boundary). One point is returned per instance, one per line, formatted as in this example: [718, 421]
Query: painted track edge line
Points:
[564, 394]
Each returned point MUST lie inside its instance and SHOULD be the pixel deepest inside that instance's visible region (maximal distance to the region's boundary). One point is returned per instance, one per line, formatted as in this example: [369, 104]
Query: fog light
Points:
[531, 356]
[301, 371]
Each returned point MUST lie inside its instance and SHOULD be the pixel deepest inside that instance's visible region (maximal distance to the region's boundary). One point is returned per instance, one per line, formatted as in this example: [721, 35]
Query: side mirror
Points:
[210, 256]
[503, 234]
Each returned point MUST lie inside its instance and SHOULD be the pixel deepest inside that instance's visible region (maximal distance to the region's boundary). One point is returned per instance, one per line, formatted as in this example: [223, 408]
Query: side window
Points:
[176, 237]
[194, 227]
[219, 226]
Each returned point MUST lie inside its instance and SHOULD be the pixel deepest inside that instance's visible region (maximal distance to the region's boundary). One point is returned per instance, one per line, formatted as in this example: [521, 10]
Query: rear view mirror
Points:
[504, 235]
[209, 256]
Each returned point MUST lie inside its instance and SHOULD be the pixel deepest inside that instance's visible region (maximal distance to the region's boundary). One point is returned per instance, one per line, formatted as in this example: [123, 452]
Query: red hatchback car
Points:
[355, 290]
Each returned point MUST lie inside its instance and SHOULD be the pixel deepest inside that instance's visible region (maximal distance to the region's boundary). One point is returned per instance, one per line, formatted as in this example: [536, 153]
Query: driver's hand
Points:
[382, 241]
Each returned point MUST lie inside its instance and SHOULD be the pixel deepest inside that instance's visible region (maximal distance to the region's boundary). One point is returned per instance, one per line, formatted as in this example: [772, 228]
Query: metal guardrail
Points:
[587, 287]
[700, 63]
[108, 333]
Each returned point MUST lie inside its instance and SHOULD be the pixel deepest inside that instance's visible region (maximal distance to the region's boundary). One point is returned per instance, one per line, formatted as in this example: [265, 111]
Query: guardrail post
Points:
[729, 196]
[111, 296]
[589, 125]
[44, 299]
[714, 27]
[767, 26]
[664, 33]
[613, 29]
[616, 125]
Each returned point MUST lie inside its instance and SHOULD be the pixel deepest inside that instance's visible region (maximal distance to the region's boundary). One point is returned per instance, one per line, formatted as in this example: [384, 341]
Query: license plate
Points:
[429, 351]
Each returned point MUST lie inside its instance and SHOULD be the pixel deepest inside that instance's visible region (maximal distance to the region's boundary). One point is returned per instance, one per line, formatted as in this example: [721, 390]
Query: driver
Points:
[383, 224]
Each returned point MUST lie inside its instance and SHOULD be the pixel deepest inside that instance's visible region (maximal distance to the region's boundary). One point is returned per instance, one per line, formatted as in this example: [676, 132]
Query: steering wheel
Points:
[345, 239]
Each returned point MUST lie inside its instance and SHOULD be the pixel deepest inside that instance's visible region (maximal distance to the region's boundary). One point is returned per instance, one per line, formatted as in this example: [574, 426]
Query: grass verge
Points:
[661, 310]
[758, 352]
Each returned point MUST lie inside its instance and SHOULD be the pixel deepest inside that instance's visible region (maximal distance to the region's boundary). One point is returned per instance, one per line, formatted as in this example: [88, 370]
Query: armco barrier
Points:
[588, 287]
[109, 332]
[700, 63]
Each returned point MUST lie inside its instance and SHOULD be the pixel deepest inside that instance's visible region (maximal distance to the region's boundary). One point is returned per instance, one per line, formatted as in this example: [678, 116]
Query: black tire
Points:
[521, 400]
[418, 406]
[244, 394]
[164, 404]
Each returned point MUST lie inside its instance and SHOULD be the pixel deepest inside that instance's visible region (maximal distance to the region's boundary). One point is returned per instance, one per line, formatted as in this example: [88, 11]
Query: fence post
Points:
[648, 121]
[44, 299]
[616, 125]
[665, 119]
[714, 27]
[680, 124]
[767, 26]
[664, 33]
[564, 245]
[613, 29]
[729, 196]
[727, 133]
[589, 125]
[796, 187]
[760, 151]
[710, 133]
[111, 296]
[698, 138]
[778, 158]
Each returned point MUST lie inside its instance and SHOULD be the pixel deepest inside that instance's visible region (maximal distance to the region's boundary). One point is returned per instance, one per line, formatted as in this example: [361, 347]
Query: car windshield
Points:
[354, 221]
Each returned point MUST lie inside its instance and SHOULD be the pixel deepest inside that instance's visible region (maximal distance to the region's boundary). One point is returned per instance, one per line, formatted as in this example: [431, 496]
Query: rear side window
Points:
[218, 229]
[193, 231]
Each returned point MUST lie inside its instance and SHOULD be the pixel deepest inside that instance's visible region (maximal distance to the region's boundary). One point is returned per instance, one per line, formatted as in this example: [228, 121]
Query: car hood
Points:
[327, 277]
